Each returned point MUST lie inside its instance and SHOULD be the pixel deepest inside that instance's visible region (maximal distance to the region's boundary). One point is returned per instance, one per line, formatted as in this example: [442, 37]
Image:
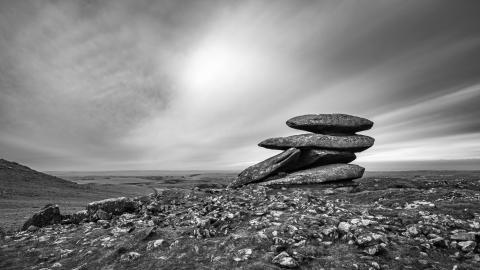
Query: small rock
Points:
[344, 227]
[130, 256]
[463, 236]
[467, 246]
[243, 254]
[412, 230]
[374, 250]
[50, 214]
[329, 231]
[102, 215]
[423, 262]
[364, 240]
[156, 244]
[439, 242]
[32, 228]
[285, 260]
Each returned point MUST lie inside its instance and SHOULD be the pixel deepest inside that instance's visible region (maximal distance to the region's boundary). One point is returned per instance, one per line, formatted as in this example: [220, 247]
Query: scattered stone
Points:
[243, 254]
[50, 214]
[344, 227]
[375, 265]
[352, 143]
[462, 236]
[79, 216]
[284, 259]
[412, 230]
[439, 242]
[130, 256]
[375, 249]
[156, 244]
[102, 215]
[467, 246]
[330, 123]
[32, 228]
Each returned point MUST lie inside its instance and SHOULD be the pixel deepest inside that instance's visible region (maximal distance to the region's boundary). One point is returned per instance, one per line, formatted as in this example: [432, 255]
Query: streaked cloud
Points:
[96, 85]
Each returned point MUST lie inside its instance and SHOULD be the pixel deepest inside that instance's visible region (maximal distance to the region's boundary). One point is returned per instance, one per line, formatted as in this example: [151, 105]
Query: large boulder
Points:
[317, 157]
[330, 123]
[115, 206]
[318, 175]
[266, 168]
[352, 143]
[48, 215]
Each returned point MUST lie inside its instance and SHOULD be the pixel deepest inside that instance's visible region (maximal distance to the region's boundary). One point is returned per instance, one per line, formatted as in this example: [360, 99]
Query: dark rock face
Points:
[266, 168]
[352, 143]
[317, 157]
[330, 123]
[49, 215]
[321, 174]
[115, 206]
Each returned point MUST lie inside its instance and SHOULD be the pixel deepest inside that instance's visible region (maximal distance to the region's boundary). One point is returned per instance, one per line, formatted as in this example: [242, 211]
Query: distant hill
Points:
[22, 180]
[23, 191]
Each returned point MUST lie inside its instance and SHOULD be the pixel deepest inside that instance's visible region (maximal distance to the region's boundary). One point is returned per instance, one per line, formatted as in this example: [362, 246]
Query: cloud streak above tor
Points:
[103, 85]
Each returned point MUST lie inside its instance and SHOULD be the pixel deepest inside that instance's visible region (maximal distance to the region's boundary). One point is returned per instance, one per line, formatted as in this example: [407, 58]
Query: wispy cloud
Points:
[197, 84]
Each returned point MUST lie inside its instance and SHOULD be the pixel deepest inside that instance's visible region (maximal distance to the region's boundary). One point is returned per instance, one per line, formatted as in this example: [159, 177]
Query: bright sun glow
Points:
[217, 63]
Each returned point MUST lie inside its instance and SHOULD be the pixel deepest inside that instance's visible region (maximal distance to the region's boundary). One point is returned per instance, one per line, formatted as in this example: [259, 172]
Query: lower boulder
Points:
[318, 175]
[266, 168]
[48, 215]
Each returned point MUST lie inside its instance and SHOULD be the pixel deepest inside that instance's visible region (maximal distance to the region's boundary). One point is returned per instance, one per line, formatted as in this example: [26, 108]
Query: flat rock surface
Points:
[321, 174]
[352, 143]
[414, 220]
[266, 168]
[330, 123]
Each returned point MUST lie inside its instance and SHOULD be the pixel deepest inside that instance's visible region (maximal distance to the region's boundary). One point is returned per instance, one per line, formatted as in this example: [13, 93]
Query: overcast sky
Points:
[108, 85]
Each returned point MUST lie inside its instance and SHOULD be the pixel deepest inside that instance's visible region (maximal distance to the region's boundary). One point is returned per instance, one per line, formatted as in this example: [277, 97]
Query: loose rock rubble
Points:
[258, 227]
[312, 158]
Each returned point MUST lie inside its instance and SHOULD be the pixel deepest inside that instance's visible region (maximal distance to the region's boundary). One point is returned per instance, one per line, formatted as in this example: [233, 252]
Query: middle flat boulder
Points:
[351, 143]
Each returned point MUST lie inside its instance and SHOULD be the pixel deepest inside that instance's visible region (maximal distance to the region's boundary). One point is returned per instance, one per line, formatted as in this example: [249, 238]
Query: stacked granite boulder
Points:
[313, 158]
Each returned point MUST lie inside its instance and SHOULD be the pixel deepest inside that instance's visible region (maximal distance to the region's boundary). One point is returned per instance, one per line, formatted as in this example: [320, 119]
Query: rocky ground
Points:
[423, 221]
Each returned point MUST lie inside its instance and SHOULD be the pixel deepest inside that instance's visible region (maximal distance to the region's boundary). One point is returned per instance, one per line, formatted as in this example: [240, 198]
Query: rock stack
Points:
[312, 158]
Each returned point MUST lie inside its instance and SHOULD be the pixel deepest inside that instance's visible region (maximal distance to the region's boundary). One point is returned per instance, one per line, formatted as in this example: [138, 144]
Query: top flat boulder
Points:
[330, 123]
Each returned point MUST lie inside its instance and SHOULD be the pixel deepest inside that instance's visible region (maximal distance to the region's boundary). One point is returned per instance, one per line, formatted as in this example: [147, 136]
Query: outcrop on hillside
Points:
[312, 158]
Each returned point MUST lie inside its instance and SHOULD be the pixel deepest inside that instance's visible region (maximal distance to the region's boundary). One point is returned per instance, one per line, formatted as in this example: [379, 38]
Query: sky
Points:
[185, 85]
